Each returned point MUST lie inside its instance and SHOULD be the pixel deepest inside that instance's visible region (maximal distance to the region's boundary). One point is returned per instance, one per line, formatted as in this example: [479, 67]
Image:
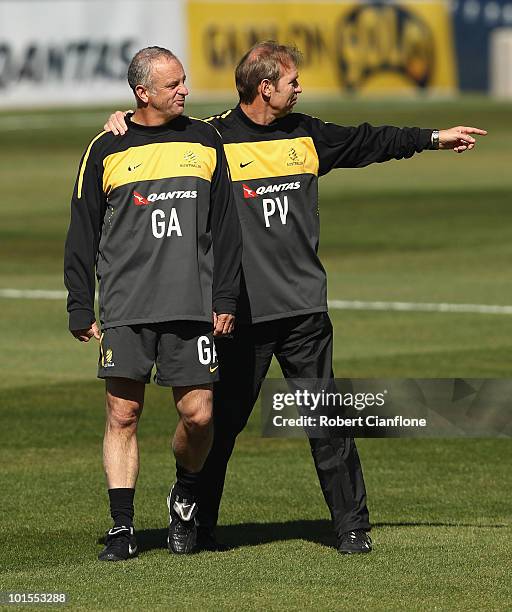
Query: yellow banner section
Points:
[347, 46]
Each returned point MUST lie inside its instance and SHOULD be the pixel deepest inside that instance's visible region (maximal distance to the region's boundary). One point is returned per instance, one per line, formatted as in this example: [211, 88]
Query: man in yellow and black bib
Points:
[275, 158]
[152, 213]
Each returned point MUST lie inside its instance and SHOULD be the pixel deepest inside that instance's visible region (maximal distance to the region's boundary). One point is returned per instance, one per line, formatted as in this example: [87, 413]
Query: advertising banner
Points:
[78, 51]
[474, 22]
[347, 46]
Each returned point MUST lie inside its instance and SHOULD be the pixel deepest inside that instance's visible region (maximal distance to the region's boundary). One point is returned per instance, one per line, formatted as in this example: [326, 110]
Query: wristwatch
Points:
[435, 140]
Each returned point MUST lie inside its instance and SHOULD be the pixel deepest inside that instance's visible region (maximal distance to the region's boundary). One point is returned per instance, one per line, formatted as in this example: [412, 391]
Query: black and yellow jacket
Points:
[275, 170]
[149, 212]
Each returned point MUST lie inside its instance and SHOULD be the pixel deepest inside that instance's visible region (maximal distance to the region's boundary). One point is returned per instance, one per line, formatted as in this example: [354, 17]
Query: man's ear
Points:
[142, 93]
[266, 88]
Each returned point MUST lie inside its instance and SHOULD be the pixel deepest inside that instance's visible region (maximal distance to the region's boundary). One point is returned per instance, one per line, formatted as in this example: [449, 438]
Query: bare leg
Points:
[124, 403]
[194, 434]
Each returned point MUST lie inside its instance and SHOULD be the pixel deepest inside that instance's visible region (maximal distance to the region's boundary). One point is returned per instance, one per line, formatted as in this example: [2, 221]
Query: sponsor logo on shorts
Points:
[108, 361]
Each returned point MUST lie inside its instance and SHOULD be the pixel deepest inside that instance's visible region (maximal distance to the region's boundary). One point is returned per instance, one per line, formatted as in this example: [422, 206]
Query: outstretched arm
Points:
[355, 147]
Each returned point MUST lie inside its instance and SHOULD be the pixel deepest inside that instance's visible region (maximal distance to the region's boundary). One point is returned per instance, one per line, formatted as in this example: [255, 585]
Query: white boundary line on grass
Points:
[419, 307]
[33, 294]
[41, 294]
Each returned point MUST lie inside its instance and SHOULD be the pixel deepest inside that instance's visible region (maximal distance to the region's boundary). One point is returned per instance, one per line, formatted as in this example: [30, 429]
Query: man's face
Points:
[167, 92]
[287, 90]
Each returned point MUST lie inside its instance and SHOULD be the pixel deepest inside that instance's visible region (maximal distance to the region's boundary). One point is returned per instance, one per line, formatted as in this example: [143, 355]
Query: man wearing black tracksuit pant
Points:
[275, 158]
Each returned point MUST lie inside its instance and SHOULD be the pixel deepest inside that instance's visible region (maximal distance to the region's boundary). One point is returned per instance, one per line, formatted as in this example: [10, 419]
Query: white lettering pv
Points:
[269, 209]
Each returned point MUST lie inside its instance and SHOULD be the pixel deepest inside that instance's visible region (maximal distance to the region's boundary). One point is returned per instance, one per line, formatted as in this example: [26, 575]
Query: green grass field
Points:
[432, 229]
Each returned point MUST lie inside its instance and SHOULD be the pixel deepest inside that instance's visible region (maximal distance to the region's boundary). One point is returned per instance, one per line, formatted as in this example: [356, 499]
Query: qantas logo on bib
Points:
[140, 200]
[250, 192]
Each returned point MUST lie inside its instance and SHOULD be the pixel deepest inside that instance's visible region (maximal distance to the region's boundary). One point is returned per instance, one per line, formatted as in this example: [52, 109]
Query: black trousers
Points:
[303, 348]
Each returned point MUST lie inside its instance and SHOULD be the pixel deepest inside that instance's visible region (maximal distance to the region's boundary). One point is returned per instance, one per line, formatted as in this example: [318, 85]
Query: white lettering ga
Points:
[269, 209]
[206, 350]
[161, 226]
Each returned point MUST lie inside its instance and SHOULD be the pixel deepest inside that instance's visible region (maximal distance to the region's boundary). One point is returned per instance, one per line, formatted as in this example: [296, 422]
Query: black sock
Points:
[121, 506]
[187, 483]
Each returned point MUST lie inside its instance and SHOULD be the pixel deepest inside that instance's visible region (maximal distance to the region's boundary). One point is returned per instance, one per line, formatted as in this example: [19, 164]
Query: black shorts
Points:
[183, 351]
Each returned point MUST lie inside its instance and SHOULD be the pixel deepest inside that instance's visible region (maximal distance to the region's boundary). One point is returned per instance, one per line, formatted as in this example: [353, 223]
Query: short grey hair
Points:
[139, 70]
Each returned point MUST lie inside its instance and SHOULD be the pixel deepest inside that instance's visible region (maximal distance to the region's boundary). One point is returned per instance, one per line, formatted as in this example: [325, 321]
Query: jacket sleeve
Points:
[87, 211]
[226, 238]
[355, 147]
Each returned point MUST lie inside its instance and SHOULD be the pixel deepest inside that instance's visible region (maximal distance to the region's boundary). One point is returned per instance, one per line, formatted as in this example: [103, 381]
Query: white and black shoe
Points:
[355, 542]
[120, 545]
[182, 523]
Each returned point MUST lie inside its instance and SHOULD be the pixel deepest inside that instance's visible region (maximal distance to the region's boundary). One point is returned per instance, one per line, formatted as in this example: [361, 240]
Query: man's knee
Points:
[125, 400]
[122, 417]
[198, 420]
[195, 407]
